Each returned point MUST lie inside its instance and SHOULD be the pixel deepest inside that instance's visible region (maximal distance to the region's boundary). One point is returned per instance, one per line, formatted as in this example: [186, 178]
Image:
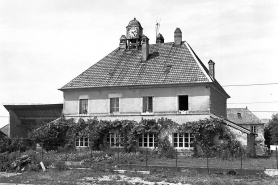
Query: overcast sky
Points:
[46, 43]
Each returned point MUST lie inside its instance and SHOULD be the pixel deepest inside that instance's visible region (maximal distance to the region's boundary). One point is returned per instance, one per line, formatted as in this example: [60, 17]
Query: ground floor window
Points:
[183, 140]
[114, 139]
[147, 140]
[82, 142]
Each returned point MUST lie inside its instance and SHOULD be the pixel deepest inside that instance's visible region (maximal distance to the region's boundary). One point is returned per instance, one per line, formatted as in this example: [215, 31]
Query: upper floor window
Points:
[239, 115]
[114, 105]
[183, 140]
[82, 142]
[147, 140]
[183, 102]
[83, 106]
[147, 104]
[253, 129]
[114, 139]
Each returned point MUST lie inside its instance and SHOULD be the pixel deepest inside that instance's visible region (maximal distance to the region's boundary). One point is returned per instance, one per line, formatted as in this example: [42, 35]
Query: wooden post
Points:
[208, 164]
[241, 160]
[276, 159]
[147, 157]
[176, 159]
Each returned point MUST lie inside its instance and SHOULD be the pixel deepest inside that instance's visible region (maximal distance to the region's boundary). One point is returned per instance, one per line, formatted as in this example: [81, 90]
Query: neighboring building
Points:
[2, 135]
[5, 129]
[22, 118]
[141, 80]
[245, 118]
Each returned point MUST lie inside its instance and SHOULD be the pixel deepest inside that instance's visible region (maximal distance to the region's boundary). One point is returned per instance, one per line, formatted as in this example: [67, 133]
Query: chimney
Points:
[178, 37]
[211, 69]
[159, 38]
[145, 47]
[123, 42]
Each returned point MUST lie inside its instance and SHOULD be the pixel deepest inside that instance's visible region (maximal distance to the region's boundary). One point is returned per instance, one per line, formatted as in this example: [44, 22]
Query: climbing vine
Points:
[63, 133]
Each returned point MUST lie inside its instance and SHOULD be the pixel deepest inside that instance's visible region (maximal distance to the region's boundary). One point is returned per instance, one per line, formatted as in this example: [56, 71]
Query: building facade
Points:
[141, 80]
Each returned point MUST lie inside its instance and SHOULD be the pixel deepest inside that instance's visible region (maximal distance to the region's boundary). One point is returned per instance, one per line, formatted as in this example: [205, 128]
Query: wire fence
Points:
[146, 157]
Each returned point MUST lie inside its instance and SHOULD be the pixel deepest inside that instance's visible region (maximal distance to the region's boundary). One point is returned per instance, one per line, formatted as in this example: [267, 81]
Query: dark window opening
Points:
[239, 115]
[148, 104]
[83, 106]
[183, 103]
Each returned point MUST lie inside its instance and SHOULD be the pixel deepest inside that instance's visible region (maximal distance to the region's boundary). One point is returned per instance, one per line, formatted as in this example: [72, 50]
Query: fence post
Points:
[147, 157]
[241, 159]
[208, 164]
[42, 153]
[276, 159]
[176, 159]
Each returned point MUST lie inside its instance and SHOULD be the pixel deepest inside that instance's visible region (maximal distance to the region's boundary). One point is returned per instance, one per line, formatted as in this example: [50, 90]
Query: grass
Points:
[102, 176]
[86, 155]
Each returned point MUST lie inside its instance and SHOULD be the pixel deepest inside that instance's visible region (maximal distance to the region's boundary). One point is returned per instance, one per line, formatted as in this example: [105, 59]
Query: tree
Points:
[271, 131]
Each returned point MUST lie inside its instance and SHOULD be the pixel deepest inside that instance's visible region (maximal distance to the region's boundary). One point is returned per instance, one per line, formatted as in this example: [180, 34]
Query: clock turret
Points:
[134, 32]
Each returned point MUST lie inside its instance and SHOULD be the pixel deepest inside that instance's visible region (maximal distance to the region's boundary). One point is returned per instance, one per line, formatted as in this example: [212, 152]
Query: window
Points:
[147, 140]
[114, 105]
[183, 103]
[147, 104]
[254, 129]
[82, 142]
[239, 115]
[114, 139]
[183, 140]
[83, 106]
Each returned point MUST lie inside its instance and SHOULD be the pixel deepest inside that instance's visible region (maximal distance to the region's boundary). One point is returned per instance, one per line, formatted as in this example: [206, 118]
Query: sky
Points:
[46, 43]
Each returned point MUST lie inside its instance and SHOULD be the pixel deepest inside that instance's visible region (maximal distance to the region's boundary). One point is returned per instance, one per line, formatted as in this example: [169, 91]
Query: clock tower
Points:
[134, 33]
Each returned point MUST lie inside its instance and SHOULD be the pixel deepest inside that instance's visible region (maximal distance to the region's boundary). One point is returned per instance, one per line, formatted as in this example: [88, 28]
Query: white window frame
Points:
[145, 139]
[80, 106]
[112, 139]
[80, 142]
[112, 107]
[254, 129]
[147, 108]
[183, 137]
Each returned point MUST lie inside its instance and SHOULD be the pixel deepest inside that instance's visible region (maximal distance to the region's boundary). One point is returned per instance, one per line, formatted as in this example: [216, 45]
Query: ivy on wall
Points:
[63, 133]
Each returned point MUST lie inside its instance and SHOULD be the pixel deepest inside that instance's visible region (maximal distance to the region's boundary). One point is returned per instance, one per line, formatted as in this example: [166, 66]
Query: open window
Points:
[147, 104]
[83, 106]
[183, 102]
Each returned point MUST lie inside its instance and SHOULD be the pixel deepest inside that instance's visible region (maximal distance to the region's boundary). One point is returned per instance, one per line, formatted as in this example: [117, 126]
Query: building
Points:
[23, 118]
[2, 134]
[141, 80]
[246, 119]
[5, 129]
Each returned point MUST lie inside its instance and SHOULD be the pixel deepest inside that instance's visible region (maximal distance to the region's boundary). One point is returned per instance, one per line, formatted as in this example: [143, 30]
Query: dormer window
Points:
[239, 115]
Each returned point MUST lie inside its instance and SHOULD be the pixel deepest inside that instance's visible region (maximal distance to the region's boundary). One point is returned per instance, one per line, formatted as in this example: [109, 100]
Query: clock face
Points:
[133, 32]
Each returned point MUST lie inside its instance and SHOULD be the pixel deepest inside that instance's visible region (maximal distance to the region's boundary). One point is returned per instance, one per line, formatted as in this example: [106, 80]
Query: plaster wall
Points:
[16, 128]
[165, 102]
[218, 103]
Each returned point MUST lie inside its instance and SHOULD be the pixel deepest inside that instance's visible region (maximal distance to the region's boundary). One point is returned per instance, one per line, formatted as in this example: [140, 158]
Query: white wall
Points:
[165, 101]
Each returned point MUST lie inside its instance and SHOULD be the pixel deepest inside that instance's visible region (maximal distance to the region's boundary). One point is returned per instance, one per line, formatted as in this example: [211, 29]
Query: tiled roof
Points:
[2, 134]
[242, 116]
[5, 129]
[166, 64]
